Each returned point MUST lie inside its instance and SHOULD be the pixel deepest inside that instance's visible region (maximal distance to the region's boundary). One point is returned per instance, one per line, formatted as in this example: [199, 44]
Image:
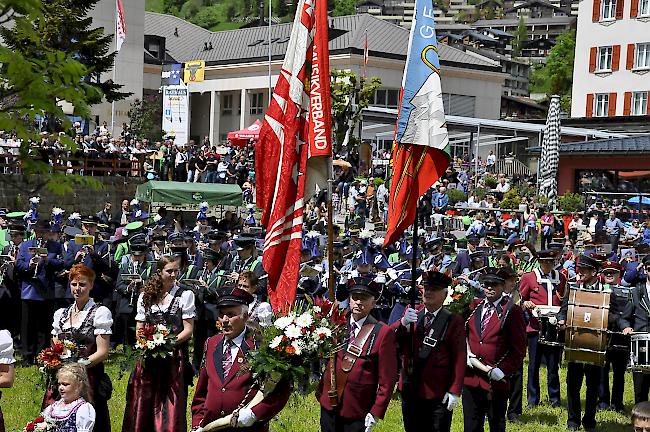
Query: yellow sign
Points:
[194, 71]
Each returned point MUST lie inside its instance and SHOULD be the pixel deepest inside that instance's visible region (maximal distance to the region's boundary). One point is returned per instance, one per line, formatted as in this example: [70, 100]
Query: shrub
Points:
[378, 181]
[480, 193]
[511, 200]
[570, 202]
[490, 181]
[456, 196]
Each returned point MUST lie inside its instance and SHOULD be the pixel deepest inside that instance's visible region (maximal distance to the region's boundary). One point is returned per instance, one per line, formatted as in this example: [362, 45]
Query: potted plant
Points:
[455, 196]
[569, 203]
[510, 201]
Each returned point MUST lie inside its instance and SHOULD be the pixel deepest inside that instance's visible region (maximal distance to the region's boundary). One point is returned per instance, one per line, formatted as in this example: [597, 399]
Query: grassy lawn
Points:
[21, 404]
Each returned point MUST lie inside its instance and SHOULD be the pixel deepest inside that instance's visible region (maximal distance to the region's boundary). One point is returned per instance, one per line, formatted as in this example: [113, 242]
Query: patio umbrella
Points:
[550, 152]
[635, 200]
[341, 163]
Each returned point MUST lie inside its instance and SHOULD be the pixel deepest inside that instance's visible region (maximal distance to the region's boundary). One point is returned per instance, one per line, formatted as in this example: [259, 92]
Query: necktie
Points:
[353, 328]
[227, 357]
[428, 321]
[486, 316]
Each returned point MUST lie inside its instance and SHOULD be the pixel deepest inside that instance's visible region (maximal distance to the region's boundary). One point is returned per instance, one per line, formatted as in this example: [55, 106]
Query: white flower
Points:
[462, 289]
[134, 201]
[283, 322]
[297, 346]
[74, 216]
[323, 331]
[41, 426]
[317, 309]
[304, 320]
[158, 339]
[161, 328]
[151, 345]
[35, 200]
[264, 317]
[275, 342]
[57, 211]
[293, 331]
[66, 354]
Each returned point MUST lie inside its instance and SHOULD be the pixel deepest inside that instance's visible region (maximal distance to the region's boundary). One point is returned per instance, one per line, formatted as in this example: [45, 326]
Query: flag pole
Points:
[330, 231]
[114, 71]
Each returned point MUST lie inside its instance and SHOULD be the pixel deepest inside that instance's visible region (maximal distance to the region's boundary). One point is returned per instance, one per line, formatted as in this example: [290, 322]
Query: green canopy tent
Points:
[189, 194]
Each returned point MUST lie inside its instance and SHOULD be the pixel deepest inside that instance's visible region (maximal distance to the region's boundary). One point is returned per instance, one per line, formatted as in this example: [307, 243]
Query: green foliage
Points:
[556, 75]
[511, 200]
[378, 181]
[490, 181]
[456, 196]
[145, 117]
[344, 7]
[571, 202]
[521, 36]
[480, 192]
[350, 95]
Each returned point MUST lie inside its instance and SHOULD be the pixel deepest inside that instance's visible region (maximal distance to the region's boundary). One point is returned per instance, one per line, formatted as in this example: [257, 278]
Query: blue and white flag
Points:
[171, 74]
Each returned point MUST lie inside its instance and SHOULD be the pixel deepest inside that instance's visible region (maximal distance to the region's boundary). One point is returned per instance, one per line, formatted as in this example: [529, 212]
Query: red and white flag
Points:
[297, 127]
[365, 55]
[120, 25]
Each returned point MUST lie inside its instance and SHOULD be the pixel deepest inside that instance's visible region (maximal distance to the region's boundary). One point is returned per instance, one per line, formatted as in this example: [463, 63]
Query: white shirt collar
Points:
[435, 312]
[239, 339]
[359, 323]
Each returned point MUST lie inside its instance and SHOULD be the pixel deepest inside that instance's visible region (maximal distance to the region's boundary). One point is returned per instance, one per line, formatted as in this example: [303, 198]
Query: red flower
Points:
[457, 296]
[290, 350]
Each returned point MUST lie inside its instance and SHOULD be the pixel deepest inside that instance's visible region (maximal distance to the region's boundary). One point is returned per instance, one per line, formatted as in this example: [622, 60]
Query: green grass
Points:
[21, 404]
[226, 26]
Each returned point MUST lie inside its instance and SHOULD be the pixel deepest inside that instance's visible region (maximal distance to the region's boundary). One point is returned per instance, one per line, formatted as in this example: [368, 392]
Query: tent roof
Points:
[251, 132]
[180, 193]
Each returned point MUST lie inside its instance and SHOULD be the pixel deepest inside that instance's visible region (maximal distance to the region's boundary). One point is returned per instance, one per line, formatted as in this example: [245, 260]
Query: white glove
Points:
[496, 374]
[370, 422]
[84, 362]
[198, 429]
[246, 417]
[451, 400]
[410, 317]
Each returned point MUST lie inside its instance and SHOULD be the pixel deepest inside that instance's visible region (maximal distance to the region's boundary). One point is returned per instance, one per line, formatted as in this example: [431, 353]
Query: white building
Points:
[612, 59]
[235, 91]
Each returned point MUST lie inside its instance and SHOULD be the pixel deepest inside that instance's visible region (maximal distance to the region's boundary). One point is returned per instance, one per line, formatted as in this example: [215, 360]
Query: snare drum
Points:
[586, 336]
[640, 352]
[548, 332]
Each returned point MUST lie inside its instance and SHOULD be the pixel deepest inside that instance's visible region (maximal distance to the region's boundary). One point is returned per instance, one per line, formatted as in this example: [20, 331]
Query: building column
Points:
[244, 108]
[215, 116]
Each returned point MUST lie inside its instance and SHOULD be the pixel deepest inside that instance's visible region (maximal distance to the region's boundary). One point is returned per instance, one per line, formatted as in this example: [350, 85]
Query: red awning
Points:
[241, 137]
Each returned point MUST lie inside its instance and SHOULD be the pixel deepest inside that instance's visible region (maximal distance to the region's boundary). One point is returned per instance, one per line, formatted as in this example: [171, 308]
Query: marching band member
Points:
[543, 286]
[366, 368]
[618, 353]
[223, 385]
[496, 334]
[587, 268]
[10, 281]
[433, 367]
[511, 292]
[636, 318]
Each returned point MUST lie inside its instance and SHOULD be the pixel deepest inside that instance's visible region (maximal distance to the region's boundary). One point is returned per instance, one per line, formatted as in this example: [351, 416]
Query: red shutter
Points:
[616, 57]
[647, 97]
[595, 14]
[634, 8]
[629, 62]
[592, 59]
[619, 9]
[611, 112]
[590, 104]
[627, 104]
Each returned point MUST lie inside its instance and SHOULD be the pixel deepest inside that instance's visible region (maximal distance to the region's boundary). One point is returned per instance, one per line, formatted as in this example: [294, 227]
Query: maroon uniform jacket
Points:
[444, 368]
[502, 343]
[370, 382]
[216, 397]
[531, 290]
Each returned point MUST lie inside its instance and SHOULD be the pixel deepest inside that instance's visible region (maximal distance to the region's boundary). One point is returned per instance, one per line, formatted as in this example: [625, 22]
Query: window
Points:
[601, 102]
[226, 105]
[604, 59]
[644, 8]
[639, 103]
[388, 98]
[642, 56]
[459, 105]
[608, 10]
[257, 103]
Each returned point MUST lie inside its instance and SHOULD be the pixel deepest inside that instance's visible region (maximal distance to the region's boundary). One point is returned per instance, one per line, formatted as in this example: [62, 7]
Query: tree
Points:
[32, 86]
[521, 36]
[65, 26]
[145, 117]
[556, 75]
[350, 95]
[344, 7]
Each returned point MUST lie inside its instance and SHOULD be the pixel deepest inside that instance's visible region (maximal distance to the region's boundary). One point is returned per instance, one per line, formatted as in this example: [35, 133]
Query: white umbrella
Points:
[550, 151]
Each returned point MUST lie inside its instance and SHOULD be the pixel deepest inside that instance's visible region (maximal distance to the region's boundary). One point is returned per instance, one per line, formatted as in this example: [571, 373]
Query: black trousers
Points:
[425, 415]
[477, 405]
[516, 393]
[124, 329]
[35, 327]
[331, 422]
[10, 315]
[641, 386]
[576, 372]
[202, 331]
[616, 361]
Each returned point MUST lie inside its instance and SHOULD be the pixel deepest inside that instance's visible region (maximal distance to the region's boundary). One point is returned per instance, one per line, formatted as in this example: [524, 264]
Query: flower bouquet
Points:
[459, 297]
[308, 333]
[39, 424]
[52, 358]
[154, 341]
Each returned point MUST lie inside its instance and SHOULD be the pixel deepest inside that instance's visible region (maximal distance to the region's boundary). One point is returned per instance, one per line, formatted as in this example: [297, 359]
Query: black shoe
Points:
[619, 409]
[573, 427]
[590, 429]
[602, 406]
[514, 418]
[556, 404]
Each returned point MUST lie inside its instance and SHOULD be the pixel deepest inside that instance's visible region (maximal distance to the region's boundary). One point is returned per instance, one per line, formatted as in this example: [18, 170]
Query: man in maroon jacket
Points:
[544, 287]
[366, 368]
[432, 382]
[221, 387]
[496, 338]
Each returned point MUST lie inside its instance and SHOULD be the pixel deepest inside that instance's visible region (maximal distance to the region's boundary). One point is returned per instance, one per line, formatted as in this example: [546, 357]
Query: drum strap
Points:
[548, 283]
[435, 334]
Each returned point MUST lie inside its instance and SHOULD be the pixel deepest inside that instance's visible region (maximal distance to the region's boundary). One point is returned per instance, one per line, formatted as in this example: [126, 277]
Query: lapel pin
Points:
[240, 360]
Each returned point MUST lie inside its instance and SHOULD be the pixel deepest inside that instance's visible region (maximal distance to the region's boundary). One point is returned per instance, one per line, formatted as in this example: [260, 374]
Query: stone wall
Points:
[83, 200]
